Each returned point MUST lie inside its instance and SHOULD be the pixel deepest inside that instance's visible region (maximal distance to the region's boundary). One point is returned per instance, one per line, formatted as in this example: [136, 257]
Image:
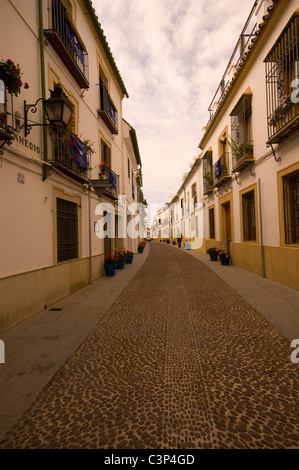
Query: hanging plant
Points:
[11, 74]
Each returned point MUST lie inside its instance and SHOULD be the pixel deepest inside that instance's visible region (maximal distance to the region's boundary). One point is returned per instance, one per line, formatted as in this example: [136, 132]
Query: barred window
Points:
[212, 222]
[291, 207]
[281, 69]
[249, 222]
[67, 230]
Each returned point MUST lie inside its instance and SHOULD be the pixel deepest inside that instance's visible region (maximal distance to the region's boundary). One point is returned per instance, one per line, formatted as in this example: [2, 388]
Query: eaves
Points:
[264, 30]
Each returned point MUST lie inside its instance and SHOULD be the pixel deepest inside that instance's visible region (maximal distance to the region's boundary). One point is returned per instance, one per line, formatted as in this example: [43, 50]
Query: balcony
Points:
[64, 38]
[108, 112]
[208, 179]
[242, 156]
[221, 170]
[70, 159]
[281, 70]
[108, 183]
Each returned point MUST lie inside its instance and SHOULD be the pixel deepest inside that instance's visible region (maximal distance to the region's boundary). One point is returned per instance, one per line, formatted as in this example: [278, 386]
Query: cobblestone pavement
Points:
[179, 361]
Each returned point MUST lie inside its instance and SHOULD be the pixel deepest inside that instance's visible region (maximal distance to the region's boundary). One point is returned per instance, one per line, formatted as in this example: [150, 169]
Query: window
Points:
[67, 230]
[105, 153]
[66, 41]
[212, 222]
[249, 220]
[194, 193]
[107, 109]
[281, 69]
[207, 170]
[241, 140]
[291, 207]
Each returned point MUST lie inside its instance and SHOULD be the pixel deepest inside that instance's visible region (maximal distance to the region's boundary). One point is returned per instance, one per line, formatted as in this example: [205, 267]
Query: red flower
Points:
[26, 86]
[18, 82]
[10, 62]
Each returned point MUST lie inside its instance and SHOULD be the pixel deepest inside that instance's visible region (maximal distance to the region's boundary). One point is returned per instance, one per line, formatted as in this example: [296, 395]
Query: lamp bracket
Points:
[33, 109]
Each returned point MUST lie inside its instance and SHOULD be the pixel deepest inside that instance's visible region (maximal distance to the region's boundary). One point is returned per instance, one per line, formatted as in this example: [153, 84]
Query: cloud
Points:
[171, 55]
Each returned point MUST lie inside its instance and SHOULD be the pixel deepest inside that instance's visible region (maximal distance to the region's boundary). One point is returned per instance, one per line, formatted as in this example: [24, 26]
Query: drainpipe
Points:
[261, 228]
[43, 85]
[89, 224]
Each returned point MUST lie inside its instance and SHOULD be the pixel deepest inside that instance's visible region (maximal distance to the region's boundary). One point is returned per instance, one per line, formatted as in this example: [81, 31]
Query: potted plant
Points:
[209, 177]
[103, 167]
[141, 246]
[213, 252]
[129, 257]
[11, 74]
[281, 111]
[110, 265]
[121, 255]
[245, 149]
[224, 256]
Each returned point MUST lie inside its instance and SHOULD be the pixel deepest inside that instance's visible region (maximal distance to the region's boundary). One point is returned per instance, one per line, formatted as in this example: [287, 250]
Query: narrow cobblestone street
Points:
[189, 364]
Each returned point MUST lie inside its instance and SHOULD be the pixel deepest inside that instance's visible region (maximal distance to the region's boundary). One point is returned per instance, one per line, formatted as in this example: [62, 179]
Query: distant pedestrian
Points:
[180, 241]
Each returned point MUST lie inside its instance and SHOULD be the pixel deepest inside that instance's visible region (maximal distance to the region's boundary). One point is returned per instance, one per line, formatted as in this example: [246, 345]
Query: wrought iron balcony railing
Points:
[66, 157]
[221, 170]
[242, 156]
[107, 175]
[281, 74]
[108, 112]
[66, 42]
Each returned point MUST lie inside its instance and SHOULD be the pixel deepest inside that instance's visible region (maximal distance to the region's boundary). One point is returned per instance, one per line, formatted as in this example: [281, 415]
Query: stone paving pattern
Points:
[179, 361]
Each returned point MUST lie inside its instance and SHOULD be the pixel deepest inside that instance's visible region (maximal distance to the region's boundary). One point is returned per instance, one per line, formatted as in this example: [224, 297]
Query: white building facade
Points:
[54, 178]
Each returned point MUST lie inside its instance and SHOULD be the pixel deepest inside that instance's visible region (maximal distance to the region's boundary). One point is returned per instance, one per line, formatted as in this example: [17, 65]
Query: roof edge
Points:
[105, 45]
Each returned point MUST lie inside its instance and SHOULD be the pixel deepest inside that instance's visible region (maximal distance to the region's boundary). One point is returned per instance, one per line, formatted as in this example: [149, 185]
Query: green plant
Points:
[212, 250]
[209, 177]
[240, 149]
[283, 108]
[11, 74]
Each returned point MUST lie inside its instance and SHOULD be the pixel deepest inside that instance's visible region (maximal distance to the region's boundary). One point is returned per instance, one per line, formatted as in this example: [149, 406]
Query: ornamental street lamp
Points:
[57, 110]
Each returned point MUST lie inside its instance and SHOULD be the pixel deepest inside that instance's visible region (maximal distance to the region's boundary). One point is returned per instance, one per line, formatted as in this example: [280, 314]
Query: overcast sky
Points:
[171, 55]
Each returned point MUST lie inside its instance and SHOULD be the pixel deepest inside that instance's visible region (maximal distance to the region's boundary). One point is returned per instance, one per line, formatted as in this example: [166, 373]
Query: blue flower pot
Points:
[140, 249]
[224, 260]
[109, 270]
[129, 259]
[121, 264]
[214, 256]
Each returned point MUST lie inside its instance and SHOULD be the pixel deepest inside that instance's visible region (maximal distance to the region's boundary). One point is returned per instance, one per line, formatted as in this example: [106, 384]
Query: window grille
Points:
[291, 207]
[242, 144]
[67, 230]
[212, 222]
[282, 67]
[249, 223]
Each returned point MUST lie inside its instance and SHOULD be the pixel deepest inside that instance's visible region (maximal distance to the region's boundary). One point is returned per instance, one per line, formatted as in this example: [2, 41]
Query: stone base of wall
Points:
[26, 294]
[281, 263]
